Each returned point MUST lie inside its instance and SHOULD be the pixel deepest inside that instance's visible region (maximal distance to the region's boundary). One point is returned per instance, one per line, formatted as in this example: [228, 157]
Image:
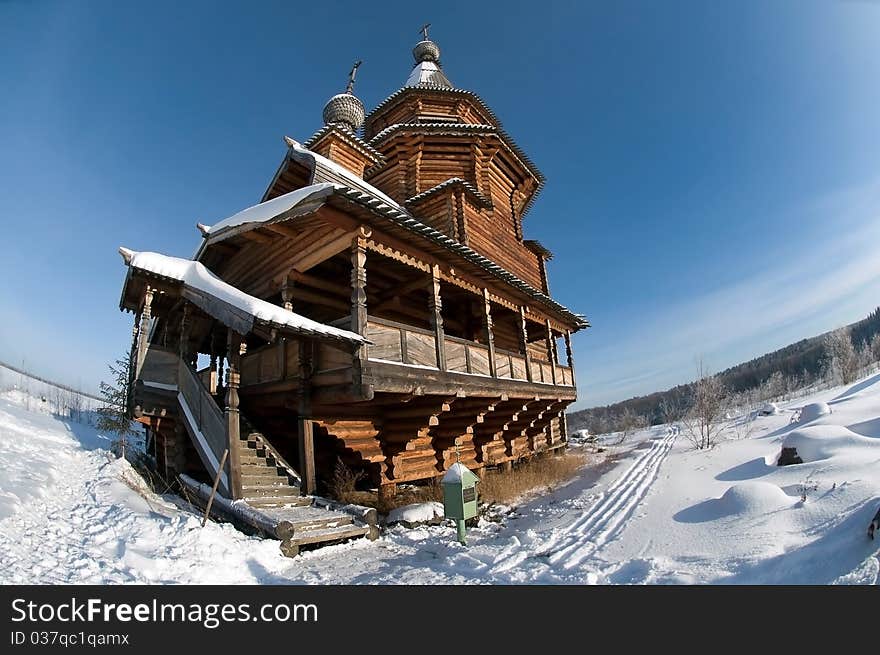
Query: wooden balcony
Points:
[403, 357]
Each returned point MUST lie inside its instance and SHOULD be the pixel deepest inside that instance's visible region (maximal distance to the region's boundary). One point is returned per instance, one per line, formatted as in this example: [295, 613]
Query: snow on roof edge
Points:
[196, 276]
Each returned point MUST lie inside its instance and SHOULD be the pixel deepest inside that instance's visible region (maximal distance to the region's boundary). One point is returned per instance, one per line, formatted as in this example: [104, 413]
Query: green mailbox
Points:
[460, 496]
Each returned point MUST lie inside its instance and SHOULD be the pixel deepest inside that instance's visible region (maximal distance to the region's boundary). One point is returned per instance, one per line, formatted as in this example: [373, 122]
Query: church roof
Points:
[427, 72]
[330, 180]
[233, 307]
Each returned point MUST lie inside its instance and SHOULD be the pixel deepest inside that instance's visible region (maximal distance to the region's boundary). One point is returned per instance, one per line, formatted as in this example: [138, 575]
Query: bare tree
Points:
[705, 417]
[671, 409]
[627, 423]
[841, 359]
[875, 347]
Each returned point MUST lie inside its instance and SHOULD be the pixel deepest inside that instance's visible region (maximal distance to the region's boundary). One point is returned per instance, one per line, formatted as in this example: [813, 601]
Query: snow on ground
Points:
[657, 511]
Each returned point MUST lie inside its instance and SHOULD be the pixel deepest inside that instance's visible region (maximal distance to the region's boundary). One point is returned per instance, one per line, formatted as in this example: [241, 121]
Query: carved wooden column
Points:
[183, 344]
[552, 355]
[524, 342]
[144, 332]
[488, 334]
[359, 284]
[233, 423]
[435, 305]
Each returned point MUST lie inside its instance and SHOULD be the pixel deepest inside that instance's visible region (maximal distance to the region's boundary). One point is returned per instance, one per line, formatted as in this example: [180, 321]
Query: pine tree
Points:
[113, 416]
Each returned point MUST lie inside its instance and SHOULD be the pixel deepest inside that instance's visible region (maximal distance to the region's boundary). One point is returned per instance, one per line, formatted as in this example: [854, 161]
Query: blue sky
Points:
[713, 168]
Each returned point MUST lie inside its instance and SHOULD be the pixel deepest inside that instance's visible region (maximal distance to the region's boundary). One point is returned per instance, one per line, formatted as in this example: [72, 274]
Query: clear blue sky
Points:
[714, 168]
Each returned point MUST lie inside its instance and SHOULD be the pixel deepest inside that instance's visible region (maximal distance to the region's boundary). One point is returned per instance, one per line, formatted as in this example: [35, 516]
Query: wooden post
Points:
[306, 436]
[568, 352]
[183, 345]
[217, 349]
[304, 425]
[214, 488]
[524, 342]
[212, 381]
[488, 334]
[144, 332]
[287, 294]
[233, 423]
[552, 355]
[387, 492]
[435, 305]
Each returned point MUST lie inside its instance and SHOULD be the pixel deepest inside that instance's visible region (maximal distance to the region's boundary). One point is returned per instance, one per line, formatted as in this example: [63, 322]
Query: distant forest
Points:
[800, 363]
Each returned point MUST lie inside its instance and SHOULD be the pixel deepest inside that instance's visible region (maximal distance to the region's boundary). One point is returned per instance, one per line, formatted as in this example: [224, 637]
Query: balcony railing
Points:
[406, 344]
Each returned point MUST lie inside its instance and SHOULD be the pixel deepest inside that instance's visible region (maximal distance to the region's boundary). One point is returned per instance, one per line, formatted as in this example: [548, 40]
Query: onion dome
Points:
[426, 50]
[345, 109]
[427, 70]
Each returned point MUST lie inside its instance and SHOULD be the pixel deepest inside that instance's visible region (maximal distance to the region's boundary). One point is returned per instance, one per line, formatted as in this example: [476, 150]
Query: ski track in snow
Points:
[567, 548]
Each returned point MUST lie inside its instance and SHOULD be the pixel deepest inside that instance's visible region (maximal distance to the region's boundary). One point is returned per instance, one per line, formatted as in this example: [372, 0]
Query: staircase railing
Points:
[205, 422]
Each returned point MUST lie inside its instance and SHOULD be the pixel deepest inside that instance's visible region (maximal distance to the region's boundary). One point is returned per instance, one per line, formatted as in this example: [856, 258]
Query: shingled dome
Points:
[427, 71]
[345, 110]
[426, 51]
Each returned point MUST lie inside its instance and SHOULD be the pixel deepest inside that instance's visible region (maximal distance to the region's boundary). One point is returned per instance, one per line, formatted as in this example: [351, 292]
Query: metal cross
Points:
[351, 76]
[424, 30]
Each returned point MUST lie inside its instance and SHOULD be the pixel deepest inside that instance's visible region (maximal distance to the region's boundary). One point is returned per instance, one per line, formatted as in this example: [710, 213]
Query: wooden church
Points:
[380, 307]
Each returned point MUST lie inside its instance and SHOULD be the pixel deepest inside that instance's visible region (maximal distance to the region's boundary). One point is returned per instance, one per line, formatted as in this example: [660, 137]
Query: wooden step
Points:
[279, 501]
[350, 531]
[255, 490]
[260, 465]
[263, 472]
[331, 521]
[255, 482]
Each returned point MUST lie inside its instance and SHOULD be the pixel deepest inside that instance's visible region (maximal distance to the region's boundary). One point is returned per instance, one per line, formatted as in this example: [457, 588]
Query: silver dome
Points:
[426, 51]
[346, 110]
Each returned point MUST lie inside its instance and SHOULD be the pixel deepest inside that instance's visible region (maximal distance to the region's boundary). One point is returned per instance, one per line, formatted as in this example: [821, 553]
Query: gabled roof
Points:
[345, 184]
[233, 307]
[270, 211]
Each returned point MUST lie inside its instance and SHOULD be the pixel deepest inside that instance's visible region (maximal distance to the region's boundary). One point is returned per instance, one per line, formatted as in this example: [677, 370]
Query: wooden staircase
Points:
[270, 499]
[266, 479]
[272, 488]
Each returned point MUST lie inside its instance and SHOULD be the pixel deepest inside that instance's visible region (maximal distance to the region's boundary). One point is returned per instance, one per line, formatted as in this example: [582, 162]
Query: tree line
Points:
[836, 357]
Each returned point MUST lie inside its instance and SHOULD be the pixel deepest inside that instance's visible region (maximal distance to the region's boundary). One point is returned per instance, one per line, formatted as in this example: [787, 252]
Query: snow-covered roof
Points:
[224, 301]
[350, 186]
[427, 72]
[350, 179]
[270, 210]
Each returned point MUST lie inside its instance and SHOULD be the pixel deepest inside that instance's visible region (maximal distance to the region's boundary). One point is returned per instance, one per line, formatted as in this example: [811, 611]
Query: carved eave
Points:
[402, 95]
[452, 184]
[538, 248]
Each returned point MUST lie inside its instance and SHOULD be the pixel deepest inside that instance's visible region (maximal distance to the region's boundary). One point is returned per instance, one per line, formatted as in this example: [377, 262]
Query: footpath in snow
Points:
[657, 512]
